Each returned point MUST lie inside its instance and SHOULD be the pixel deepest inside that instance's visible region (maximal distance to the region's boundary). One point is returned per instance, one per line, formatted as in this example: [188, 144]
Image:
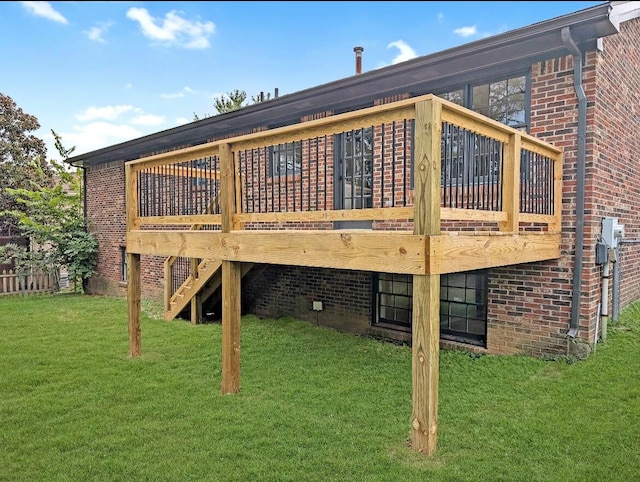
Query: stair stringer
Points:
[191, 287]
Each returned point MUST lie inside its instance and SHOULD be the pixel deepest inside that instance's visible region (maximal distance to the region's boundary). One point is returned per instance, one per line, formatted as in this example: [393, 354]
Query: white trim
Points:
[623, 12]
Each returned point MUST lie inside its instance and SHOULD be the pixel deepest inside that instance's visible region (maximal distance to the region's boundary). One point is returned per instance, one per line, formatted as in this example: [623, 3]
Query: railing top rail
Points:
[339, 123]
[453, 112]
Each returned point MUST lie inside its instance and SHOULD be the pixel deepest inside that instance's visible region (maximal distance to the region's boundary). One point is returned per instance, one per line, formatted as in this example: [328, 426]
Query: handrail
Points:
[508, 215]
[168, 263]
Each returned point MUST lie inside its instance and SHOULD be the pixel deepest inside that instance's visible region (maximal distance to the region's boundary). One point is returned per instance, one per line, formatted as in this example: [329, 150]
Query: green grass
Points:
[314, 404]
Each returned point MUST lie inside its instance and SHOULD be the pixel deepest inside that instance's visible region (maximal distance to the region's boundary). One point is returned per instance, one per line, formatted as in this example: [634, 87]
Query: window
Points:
[286, 159]
[504, 100]
[356, 168]
[394, 299]
[463, 304]
[455, 96]
[469, 158]
[123, 264]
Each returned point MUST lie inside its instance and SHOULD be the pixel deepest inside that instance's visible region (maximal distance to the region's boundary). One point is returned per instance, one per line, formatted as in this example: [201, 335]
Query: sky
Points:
[101, 73]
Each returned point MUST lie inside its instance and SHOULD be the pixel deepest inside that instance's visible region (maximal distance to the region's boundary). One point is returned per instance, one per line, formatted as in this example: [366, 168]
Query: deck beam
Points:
[380, 251]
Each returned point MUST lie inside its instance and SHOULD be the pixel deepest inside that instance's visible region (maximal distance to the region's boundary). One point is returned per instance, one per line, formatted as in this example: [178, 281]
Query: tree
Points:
[233, 100]
[22, 156]
[52, 216]
[256, 99]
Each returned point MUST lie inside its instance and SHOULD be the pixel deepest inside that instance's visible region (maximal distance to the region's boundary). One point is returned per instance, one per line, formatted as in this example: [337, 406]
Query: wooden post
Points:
[426, 289]
[133, 303]
[231, 276]
[133, 264]
[195, 316]
[168, 267]
[238, 191]
[556, 227]
[511, 184]
[230, 326]
[196, 309]
[227, 188]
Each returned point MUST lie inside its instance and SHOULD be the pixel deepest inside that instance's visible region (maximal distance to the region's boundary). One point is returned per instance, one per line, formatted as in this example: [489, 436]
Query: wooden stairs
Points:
[207, 282]
[191, 287]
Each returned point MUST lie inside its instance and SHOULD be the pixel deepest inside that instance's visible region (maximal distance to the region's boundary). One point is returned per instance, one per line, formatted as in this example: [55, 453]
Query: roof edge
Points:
[623, 12]
[596, 15]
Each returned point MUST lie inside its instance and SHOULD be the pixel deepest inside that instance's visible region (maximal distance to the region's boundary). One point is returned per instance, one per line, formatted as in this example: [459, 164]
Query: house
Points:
[376, 204]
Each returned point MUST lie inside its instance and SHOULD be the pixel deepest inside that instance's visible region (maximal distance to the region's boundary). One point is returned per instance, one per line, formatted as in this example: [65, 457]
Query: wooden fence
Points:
[15, 283]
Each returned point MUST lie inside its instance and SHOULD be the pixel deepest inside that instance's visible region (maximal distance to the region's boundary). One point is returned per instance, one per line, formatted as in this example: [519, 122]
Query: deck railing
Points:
[357, 166]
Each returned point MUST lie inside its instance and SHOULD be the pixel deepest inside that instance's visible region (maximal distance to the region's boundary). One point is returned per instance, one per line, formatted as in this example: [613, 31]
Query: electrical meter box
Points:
[612, 231]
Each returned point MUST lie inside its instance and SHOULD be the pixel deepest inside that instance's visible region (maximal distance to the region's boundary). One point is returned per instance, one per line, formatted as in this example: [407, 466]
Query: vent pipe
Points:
[358, 51]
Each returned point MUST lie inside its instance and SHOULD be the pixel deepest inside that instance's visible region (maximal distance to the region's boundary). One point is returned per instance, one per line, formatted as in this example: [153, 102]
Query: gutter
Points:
[574, 323]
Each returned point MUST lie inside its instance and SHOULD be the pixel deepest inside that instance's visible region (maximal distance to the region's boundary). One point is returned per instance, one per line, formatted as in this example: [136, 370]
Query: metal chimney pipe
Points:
[358, 51]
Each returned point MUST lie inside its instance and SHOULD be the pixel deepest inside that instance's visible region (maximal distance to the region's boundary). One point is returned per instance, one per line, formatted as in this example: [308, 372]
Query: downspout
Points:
[84, 192]
[574, 324]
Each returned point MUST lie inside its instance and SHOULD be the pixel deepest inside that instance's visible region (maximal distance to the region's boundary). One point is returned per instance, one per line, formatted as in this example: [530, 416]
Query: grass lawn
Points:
[314, 404]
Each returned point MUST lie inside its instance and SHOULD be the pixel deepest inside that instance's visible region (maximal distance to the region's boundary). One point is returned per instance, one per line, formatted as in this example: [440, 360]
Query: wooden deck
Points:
[472, 193]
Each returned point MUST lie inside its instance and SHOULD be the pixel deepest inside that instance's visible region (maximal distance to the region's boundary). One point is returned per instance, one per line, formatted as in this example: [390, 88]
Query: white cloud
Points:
[173, 29]
[148, 120]
[440, 17]
[406, 52]
[96, 33]
[174, 95]
[96, 135]
[466, 31]
[128, 86]
[110, 112]
[45, 10]
[190, 91]
[182, 120]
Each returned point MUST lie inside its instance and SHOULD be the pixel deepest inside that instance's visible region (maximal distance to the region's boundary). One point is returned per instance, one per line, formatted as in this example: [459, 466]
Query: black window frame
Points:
[474, 286]
[124, 274]
[344, 150]
[463, 94]
[292, 160]
[400, 299]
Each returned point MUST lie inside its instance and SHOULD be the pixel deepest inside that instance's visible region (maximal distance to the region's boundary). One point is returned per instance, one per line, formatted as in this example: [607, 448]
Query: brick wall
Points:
[616, 167]
[290, 290]
[529, 304]
[107, 220]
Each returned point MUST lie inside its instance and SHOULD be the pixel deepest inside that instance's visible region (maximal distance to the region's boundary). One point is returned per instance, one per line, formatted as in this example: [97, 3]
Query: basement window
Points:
[463, 307]
[463, 304]
[123, 264]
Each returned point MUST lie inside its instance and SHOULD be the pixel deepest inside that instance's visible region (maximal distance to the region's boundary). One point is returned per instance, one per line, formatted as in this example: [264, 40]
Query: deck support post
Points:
[133, 303]
[426, 288]
[134, 282]
[196, 309]
[196, 300]
[231, 275]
